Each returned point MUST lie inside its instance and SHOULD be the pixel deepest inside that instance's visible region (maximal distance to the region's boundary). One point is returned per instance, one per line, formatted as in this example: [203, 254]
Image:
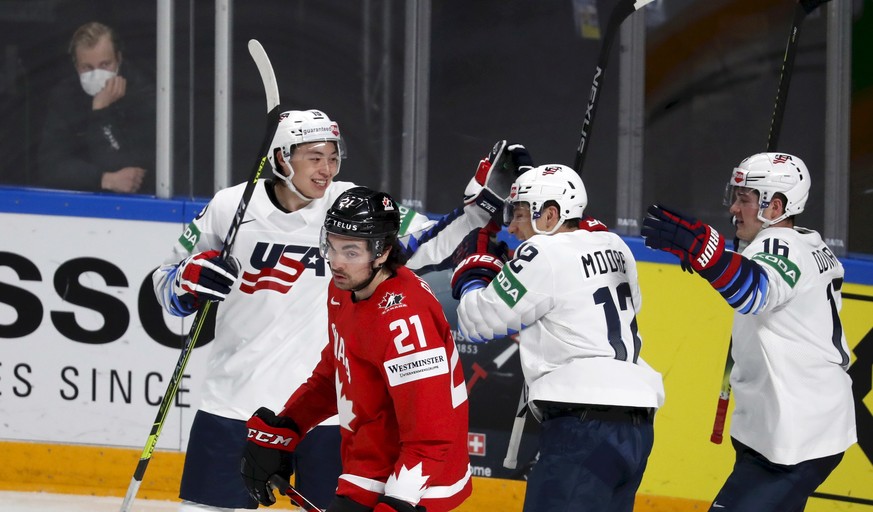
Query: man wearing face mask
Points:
[99, 130]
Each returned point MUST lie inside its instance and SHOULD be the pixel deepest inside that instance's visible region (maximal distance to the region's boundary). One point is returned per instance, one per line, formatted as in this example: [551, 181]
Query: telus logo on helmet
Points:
[343, 225]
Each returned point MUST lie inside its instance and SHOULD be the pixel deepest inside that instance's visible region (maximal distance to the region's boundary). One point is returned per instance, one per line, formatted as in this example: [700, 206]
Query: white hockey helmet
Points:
[551, 182]
[769, 173]
[302, 127]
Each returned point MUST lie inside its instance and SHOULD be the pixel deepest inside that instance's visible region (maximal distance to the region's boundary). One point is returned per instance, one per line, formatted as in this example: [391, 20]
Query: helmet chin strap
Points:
[374, 271]
[297, 193]
[288, 183]
[533, 223]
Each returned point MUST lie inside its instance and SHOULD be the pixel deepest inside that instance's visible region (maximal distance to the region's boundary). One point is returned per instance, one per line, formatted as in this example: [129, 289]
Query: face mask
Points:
[94, 80]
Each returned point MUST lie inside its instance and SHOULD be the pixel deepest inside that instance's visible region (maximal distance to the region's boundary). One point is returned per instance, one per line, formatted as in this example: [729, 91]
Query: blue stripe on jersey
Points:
[747, 290]
[413, 243]
[177, 308]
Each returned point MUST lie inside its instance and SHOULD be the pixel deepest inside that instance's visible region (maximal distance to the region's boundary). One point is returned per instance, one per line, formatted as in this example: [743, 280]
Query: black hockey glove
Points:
[389, 504]
[519, 159]
[478, 258]
[271, 441]
[697, 245]
[203, 277]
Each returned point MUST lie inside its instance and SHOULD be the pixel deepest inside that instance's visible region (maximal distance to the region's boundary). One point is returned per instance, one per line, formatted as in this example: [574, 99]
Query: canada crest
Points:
[391, 301]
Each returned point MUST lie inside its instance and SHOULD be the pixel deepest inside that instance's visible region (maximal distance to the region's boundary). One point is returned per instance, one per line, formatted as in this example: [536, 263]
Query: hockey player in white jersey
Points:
[794, 414]
[573, 296]
[272, 323]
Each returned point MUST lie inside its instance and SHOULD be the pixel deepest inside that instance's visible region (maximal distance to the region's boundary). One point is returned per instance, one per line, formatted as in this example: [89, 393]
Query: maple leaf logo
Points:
[391, 301]
[407, 482]
[343, 406]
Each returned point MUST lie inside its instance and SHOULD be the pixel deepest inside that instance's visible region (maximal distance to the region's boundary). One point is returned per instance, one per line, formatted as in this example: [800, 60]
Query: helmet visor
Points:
[734, 192]
[344, 249]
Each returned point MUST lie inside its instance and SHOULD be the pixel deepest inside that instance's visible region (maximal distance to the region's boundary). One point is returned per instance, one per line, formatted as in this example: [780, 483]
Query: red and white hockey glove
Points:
[697, 245]
[479, 257]
[389, 504]
[203, 277]
[271, 441]
[494, 176]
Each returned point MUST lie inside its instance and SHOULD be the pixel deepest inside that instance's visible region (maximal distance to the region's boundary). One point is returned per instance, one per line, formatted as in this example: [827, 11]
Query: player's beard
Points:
[346, 281]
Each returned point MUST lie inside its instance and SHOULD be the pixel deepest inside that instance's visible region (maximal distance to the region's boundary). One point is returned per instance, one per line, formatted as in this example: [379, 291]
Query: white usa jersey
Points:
[573, 298]
[270, 329]
[793, 395]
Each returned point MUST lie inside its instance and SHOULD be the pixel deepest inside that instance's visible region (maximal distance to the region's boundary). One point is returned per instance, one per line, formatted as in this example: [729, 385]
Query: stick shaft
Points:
[622, 10]
[272, 94]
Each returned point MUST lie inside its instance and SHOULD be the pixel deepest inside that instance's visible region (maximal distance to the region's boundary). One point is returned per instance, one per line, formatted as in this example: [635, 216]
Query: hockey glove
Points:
[697, 245]
[203, 277]
[271, 441]
[491, 182]
[479, 258]
[519, 159]
[389, 504]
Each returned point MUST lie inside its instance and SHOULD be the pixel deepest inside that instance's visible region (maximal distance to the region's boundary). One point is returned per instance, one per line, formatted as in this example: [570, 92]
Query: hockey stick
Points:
[622, 10]
[272, 92]
[511, 459]
[293, 494]
[803, 8]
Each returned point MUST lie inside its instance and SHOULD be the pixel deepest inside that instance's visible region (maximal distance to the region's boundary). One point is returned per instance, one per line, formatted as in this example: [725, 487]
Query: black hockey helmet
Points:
[363, 213]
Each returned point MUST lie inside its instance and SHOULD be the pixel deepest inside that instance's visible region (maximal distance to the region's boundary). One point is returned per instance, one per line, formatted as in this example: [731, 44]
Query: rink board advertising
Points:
[84, 344]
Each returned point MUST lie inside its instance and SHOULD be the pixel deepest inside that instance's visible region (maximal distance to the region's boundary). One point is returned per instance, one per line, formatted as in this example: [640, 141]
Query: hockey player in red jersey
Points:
[389, 370]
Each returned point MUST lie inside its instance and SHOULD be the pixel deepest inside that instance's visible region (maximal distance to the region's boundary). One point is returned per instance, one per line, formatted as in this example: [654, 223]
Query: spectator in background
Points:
[99, 133]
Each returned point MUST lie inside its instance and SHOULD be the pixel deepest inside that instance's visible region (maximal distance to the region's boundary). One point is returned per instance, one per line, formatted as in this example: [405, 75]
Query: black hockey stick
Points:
[293, 494]
[272, 92]
[803, 8]
[622, 10]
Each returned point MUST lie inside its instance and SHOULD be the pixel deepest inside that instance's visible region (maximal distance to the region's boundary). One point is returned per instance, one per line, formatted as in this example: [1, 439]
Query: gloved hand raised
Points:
[271, 441]
[478, 258]
[697, 245]
[203, 277]
[519, 159]
[494, 176]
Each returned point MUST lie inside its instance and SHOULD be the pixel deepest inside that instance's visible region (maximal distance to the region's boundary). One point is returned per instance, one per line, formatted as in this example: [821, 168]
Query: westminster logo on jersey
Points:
[277, 267]
[392, 301]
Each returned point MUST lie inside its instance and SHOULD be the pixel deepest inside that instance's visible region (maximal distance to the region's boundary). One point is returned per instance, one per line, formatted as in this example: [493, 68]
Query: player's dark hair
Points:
[569, 223]
[397, 257]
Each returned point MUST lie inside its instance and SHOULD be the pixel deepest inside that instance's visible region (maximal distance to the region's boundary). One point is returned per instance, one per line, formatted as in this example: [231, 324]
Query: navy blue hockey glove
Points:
[271, 442]
[697, 245]
[477, 259]
[519, 159]
[203, 277]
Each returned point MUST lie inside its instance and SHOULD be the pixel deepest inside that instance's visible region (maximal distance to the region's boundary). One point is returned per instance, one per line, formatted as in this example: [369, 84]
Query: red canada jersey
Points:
[391, 372]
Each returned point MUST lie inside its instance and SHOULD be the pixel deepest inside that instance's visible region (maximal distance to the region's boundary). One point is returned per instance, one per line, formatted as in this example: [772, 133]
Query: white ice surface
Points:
[44, 502]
